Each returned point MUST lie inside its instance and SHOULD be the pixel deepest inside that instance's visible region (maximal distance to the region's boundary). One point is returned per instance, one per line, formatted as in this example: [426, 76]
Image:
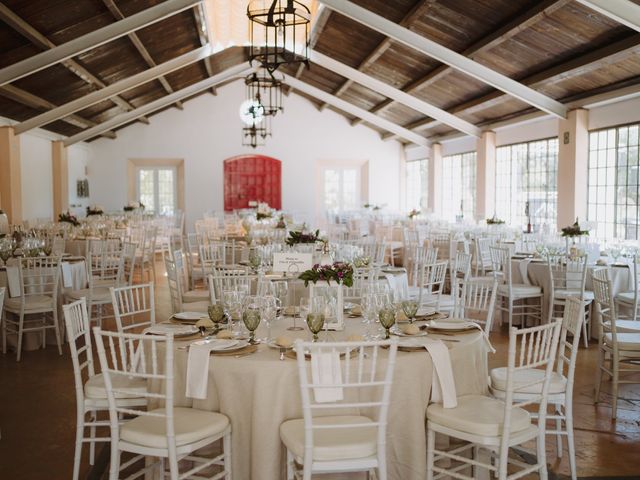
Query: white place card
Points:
[292, 262]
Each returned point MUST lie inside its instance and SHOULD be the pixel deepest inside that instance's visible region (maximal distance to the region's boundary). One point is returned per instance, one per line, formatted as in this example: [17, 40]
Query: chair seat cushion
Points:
[625, 297]
[32, 302]
[191, 426]
[520, 290]
[624, 326]
[626, 341]
[573, 292]
[97, 295]
[557, 384]
[195, 296]
[94, 387]
[331, 444]
[478, 415]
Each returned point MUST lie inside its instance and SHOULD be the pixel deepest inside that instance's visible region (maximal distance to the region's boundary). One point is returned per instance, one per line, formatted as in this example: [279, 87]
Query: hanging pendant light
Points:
[278, 32]
[266, 89]
[256, 134]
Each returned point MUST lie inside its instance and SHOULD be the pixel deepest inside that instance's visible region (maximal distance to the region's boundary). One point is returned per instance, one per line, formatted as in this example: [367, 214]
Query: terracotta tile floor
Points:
[37, 416]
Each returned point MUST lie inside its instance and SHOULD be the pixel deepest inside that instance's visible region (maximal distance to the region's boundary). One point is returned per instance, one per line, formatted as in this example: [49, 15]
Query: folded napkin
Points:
[443, 387]
[523, 266]
[13, 279]
[67, 276]
[164, 328]
[467, 323]
[198, 369]
[325, 370]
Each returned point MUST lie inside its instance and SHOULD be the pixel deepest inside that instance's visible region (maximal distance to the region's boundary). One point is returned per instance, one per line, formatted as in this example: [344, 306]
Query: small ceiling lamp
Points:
[251, 111]
[256, 134]
[265, 89]
[278, 32]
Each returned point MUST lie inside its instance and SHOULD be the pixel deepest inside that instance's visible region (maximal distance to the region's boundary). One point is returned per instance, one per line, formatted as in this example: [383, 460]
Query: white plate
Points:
[177, 330]
[190, 316]
[451, 324]
[400, 333]
[424, 311]
[273, 344]
[223, 344]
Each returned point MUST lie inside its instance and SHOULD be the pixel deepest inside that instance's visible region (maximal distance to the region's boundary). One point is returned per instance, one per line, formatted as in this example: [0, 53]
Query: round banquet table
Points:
[259, 391]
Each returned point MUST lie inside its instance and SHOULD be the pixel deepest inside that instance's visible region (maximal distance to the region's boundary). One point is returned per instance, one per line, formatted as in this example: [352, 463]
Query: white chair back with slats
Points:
[568, 273]
[133, 307]
[419, 255]
[569, 343]
[459, 268]
[105, 263]
[231, 278]
[57, 246]
[482, 255]
[181, 269]
[476, 300]
[128, 262]
[431, 283]
[501, 263]
[373, 250]
[76, 321]
[175, 286]
[211, 255]
[602, 291]
[366, 379]
[39, 276]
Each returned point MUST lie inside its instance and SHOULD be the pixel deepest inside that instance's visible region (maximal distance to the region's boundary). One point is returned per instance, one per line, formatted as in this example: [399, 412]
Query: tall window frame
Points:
[613, 188]
[526, 181]
[417, 184]
[459, 185]
[157, 189]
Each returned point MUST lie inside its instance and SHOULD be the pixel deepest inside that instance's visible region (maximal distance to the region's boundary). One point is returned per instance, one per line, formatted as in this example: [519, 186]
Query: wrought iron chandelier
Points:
[255, 135]
[278, 32]
[265, 89]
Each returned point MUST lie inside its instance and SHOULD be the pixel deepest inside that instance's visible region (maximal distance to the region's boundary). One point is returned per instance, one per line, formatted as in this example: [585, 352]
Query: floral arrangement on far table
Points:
[300, 237]
[264, 211]
[339, 272]
[68, 217]
[94, 210]
[414, 213]
[494, 221]
[574, 230]
[131, 206]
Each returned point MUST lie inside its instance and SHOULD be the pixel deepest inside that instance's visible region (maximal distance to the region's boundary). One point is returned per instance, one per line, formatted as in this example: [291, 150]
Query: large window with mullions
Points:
[526, 182]
[459, 186]
[614, 185]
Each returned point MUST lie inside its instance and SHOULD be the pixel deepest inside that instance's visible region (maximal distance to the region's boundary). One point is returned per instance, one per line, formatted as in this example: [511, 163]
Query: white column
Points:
[10, 175]
[485, 175]
[435, 179]
[573, 158]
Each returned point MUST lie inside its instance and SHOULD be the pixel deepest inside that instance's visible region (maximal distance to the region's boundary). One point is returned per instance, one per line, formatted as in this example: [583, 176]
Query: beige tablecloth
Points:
[259, 392]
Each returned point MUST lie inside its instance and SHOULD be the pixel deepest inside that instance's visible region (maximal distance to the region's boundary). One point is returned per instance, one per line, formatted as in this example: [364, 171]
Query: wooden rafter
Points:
[139, 46]
[583, 64]
[501, 34]
[418, 10]
[30, 100]
[622, 11]
[42, 42]
[203, 34]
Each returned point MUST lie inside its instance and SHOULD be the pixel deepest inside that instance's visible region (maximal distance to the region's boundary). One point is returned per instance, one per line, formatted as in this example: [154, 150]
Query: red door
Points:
[252, 178]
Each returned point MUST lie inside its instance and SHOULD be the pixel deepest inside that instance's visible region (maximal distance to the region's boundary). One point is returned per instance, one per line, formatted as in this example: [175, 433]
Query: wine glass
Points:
[315, 317]
[216, 314]
[270, 306]
[410, 309]
[251, 316]
[255, 260]
[231, 302]
[387, 317]
[369, 311]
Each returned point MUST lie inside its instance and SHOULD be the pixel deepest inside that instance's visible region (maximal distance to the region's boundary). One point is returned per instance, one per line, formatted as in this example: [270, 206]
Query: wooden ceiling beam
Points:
[622, 11]
[113, 89]
[392, 92]
[352, 109]
[418, 10]
[139, 46]
[503, 33]
[93, 39]
[42, 42]
[207, 83]
[204, 34]
[33, 101]
[592, 60]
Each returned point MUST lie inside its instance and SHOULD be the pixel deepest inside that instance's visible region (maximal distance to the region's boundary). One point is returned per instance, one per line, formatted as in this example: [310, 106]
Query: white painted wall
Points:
[37, 177]
[78, 157]
[208, 131]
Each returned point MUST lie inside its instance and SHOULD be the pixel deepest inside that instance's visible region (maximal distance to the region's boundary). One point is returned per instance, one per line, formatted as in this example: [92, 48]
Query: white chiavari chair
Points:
[169, 433]
[128, 262]
[317, 442]
[568, 279]
[618, 345]
[431, 279]
[133, 306]
[459, 270]
[211, 255]
[631, 300]
[175, 291]
[421, 255]
[91, 394]
[482, 256]
[230, 278]
[36, 308]
[57, 246]
[519, 300]
[188, 296]
[560, 384]
[105, 265]
[487, 423]
[477, 300]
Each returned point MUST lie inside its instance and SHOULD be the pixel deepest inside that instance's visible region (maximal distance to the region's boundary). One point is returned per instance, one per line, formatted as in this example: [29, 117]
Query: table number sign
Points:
[292, 262]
